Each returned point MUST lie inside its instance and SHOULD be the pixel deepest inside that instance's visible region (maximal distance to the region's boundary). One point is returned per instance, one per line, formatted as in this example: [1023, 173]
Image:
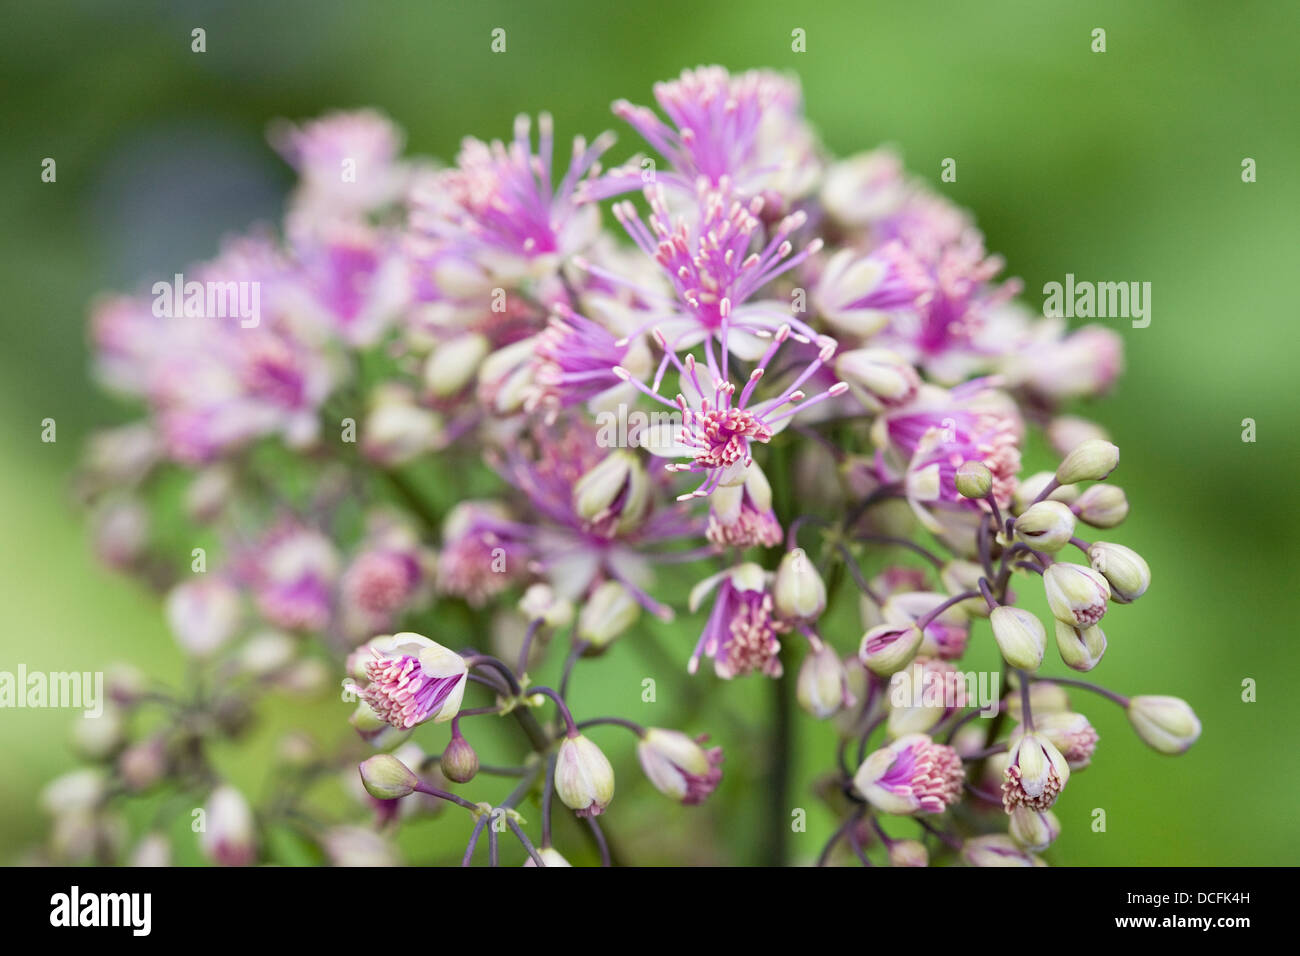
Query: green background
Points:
[1123, 165]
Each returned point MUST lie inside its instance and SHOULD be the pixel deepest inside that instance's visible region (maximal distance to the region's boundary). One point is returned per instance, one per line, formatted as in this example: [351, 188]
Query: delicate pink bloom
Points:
[413, 679]
[678, 766]
[742, 634]
[912, 775]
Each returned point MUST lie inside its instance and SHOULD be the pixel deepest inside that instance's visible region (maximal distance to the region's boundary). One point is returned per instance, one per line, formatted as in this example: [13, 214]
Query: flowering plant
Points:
[437, 427]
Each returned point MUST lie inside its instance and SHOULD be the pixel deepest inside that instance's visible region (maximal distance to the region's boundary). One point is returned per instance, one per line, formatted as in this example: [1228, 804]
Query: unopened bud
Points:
[387, 778]
[1091, 460]
[1046, 526]
[1124, 568]
[459, 762]
[584, 780]
[822, 687]
[1077, 595]
[609, 612]
[1081, 648]
[798, 591]
[1020, 636]
[616, 489]
[888, 648]
[1102, 506]
[973, 479]
[1035, 830]
[540, 603]
[452, 364]
[1165, 724]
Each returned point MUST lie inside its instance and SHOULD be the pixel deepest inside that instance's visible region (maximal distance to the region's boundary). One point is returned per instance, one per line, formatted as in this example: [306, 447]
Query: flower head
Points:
[912, 775]
[412, 680]
[1035, 775]
[742, 635]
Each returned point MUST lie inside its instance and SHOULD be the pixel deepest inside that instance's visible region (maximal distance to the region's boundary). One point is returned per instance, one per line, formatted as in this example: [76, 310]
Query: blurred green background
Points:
[1123, 165]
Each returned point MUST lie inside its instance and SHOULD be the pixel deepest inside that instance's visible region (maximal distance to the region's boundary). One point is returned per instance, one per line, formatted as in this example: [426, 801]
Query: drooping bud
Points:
[1035, 830]
[822, 688]
[584, 780]
[1081, 648]
[798, 591]
[459, 762]
[1076, 594]
[1091, 460]
[609, 612]
[1036, 773]
[614, 494]
[908, 853]
[1165, 724]
[973, 479]
[1124, 568]
[1046, 526]
[1021, 637]
[678, 766]
[387, 778]
[888, 648]
[1102, 506]
[415, 679]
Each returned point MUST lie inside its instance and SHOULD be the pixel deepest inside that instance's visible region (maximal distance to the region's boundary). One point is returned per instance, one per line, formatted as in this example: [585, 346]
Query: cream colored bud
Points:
[609, 612]
[1165, 724]
[1090, 460]
[1046, 526]
[387, 778]
[908, 853]
[1102, 506]
[888, 648]
[1021, 637]
[1035, 830]
[453, 363]
[1076, 594]
[973, 479]
[798, 591]
[584, 779]
[1080, 648]
[1124, 568]
[822, 687]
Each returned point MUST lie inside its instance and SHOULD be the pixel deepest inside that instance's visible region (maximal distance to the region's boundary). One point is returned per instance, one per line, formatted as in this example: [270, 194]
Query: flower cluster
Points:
[449, 420]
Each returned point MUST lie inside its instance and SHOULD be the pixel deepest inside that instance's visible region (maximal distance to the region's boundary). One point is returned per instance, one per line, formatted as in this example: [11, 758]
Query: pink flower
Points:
[742, 634]
[912, 775]
[413, 679]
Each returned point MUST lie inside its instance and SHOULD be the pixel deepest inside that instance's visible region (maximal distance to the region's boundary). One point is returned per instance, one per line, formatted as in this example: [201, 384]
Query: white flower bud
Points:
[1077, 595]
[1046, 526]
[387, 778]
[584, 780]
[1035, 830]
[888, 648]
[1021, 637]
[822, 687]
[1124, 568]
[798, 591]
[1091, 460]
[453, 363]
[1165, 724]
[1081, 648]
[609, 612]
[1102, 506]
